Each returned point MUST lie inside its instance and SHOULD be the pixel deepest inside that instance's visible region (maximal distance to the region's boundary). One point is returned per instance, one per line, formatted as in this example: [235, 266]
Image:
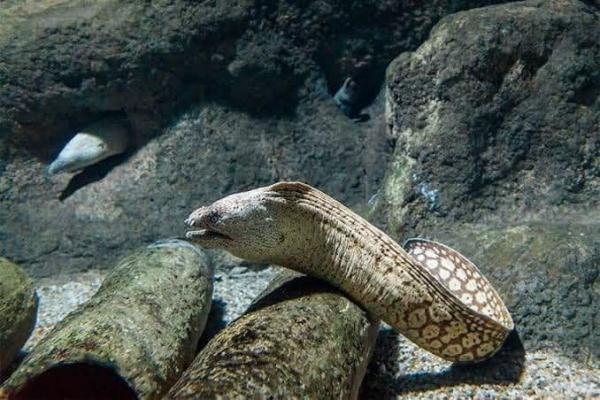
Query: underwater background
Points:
[472, 123]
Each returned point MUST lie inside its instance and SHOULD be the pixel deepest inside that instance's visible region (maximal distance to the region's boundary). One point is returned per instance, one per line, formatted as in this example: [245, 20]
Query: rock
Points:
[219, 96]
[92, 144]
[132, 339]
[150, 61]
[299, 339]
[18, 311]
[69, 63]
[496, 116]
[497, 124]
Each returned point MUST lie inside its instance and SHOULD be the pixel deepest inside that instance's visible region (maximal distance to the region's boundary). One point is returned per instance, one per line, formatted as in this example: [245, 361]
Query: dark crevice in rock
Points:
[588, 92]
[214, 324]
[592, 3]
[358, 51]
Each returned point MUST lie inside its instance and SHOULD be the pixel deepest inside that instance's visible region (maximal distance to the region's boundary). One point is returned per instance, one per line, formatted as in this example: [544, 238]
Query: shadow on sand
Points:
[385, 379]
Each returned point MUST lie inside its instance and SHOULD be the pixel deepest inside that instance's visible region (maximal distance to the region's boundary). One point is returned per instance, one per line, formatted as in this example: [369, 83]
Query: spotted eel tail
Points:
[465, 282]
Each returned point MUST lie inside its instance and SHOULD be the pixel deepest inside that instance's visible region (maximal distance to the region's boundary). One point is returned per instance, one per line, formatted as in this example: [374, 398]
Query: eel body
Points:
[431, 294]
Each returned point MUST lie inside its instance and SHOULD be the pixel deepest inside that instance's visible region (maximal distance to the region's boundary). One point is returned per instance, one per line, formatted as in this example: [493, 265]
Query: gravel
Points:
[58, 297]
[398, 369]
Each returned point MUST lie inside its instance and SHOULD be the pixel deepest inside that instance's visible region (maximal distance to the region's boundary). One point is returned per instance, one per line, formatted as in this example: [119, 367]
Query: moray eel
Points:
[346, 98]
[431, 294]
[94, 143]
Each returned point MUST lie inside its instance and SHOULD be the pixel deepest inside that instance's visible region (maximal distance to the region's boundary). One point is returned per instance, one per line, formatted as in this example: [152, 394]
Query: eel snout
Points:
[205, 219]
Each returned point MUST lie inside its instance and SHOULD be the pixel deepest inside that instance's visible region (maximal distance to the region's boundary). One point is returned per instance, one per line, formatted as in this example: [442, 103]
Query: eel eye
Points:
[214, 217]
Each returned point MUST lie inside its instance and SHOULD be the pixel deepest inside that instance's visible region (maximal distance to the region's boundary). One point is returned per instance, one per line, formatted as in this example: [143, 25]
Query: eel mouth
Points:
[206, 234]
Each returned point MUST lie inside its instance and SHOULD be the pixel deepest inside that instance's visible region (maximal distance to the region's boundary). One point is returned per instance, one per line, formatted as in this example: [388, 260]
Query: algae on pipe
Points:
[18, 311]
[301, 338]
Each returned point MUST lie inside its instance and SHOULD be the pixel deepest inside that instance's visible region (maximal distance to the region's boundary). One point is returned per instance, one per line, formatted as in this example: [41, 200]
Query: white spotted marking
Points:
[471, 285]
[430, 253]
[454, 284]
[444, 274]
[480, 297]
[446, 263]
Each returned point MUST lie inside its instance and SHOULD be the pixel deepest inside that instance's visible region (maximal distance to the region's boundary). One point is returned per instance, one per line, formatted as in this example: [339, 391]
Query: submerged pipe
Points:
[132, 339]
[300, 339]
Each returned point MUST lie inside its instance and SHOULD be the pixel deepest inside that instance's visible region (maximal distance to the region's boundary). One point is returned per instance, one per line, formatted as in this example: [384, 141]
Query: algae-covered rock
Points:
[18, 310]
[132, 339]
[496, 115]
[299, 339]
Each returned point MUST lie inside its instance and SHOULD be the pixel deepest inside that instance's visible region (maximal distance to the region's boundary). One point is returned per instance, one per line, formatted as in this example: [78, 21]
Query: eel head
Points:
[246, 224]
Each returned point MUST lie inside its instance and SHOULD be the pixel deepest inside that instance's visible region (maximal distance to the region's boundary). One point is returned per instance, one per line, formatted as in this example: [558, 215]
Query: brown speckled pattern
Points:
[396, 287]
[477, 340]
[460, 276]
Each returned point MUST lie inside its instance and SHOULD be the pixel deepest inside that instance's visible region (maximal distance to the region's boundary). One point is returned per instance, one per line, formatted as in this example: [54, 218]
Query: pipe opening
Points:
[75, 382]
